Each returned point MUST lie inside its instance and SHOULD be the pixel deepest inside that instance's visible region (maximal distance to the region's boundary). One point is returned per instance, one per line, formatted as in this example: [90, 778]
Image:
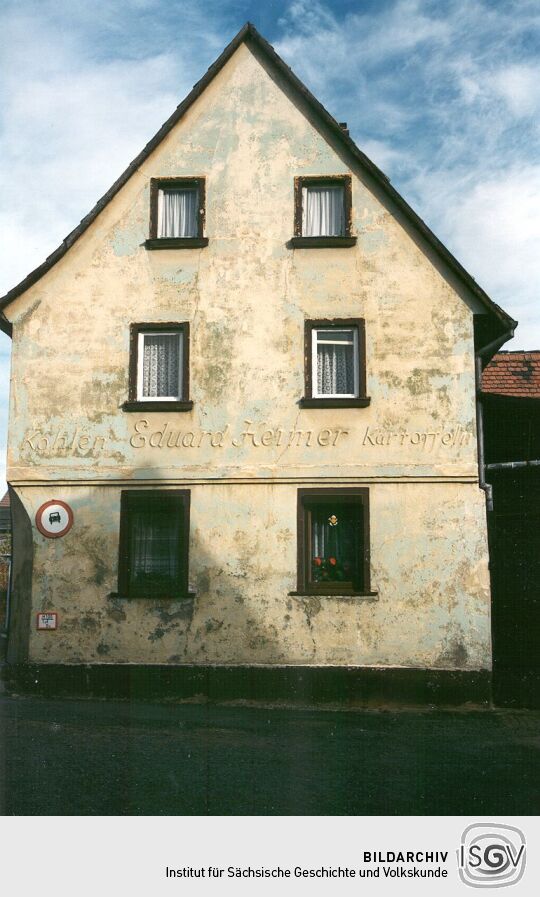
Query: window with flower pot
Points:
[154, 541]
[333, 541]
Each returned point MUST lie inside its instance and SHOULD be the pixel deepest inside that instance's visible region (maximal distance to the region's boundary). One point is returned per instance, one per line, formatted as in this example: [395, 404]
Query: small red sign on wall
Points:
[46, 621]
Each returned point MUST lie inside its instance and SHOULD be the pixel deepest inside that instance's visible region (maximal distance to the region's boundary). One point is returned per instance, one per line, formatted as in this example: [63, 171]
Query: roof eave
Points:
[510, 398]
[5, 325]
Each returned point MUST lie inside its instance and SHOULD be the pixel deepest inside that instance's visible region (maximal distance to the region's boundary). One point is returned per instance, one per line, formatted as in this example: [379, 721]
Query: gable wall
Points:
[246, 297]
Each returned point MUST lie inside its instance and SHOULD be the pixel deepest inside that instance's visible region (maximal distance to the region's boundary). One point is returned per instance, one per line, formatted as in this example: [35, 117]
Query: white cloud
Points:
[519, 86]
[493, 227]
[384, 155]
[357, 39]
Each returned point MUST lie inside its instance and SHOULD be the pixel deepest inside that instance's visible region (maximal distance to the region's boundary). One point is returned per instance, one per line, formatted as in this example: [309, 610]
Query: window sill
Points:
[157, 406]
[176, 243]
[331, 594]
[361, 402]
[321, 242]
[185, 596]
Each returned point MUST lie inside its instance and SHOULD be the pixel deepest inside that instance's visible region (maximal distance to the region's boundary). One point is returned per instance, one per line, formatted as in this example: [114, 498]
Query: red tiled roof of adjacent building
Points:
[513, 374]
[4, 503]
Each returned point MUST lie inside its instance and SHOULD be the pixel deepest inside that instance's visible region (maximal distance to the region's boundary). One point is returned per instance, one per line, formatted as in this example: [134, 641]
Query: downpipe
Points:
[485, 351]
[486, 487]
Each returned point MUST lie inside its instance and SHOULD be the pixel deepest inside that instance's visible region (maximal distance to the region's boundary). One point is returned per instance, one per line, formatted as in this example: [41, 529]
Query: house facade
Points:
[243, 408]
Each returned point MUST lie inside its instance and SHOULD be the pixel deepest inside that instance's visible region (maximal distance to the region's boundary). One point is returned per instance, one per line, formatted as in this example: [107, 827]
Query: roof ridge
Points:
[517, 352]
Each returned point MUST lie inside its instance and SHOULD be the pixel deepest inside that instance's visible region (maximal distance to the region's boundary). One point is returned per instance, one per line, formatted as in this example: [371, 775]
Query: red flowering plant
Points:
[329, 570]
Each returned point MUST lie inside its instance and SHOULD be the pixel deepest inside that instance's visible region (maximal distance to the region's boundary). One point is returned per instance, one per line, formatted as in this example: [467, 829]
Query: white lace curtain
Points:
[154, 551]
[335, 362]
[178, 211]
[162, 365]
[335, 370]
[323, 211]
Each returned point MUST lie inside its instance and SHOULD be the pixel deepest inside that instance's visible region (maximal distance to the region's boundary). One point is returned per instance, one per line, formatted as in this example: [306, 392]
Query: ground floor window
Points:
[333, 541]
[154, 542]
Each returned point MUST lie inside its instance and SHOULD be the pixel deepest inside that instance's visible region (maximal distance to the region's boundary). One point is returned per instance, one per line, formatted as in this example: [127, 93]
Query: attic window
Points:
[177, 210]
[323, 212]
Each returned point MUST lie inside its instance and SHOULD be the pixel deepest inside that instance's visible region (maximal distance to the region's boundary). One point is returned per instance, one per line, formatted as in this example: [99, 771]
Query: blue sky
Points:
[443, 96]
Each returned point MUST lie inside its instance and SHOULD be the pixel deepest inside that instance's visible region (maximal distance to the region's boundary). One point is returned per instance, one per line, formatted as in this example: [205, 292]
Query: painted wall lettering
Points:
[259, 435]
[61, 443]
[449, 437]
[253, 435]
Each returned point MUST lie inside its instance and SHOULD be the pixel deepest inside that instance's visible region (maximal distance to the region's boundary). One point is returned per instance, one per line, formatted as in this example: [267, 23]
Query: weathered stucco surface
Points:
[432, 608]
[247, 444]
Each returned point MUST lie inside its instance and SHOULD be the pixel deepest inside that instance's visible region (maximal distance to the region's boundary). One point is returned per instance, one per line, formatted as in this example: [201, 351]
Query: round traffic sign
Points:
[54, 519]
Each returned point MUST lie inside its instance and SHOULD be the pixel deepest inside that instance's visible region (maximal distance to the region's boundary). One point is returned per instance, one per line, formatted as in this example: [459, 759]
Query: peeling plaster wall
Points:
[432, 608]
[246, 297]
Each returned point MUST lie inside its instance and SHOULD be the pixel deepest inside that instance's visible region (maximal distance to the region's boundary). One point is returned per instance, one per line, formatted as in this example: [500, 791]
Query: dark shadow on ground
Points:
[118, 758]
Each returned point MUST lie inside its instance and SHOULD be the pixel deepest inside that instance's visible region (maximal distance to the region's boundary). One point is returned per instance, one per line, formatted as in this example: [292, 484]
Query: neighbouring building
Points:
[511, 411]
[243, 442]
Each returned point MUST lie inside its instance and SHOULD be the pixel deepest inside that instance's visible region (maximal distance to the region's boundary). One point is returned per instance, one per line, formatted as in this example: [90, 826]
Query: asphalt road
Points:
[72, 757]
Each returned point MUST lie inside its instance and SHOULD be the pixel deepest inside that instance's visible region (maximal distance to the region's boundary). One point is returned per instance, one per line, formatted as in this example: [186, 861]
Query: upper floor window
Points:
[159, 368]
[335, 363]
[323, 211]
[177, 210]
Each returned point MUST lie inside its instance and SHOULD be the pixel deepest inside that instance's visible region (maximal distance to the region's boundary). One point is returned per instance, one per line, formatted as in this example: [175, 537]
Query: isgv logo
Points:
[491, 855]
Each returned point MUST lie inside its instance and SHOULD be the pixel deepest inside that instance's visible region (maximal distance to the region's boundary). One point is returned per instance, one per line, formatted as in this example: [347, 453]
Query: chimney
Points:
[343, 126]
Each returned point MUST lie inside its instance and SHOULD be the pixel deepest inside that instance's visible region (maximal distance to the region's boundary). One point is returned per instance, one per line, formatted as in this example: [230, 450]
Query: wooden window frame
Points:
[299, 241]
[155, 242]
[311, 401]
[135, 403]
[346, 495]
[128, 498]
